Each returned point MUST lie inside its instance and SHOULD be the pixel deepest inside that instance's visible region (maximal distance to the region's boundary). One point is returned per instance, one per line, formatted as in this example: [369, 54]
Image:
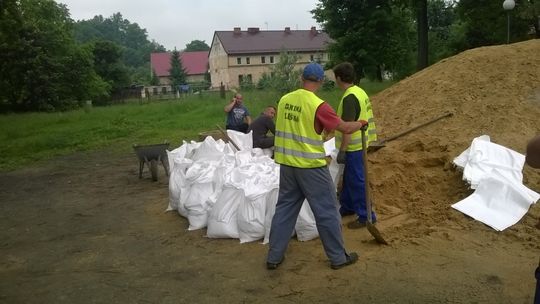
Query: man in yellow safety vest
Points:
[354, 106]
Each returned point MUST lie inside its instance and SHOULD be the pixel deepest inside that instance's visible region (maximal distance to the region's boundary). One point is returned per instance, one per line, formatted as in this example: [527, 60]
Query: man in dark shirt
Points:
[261, 126]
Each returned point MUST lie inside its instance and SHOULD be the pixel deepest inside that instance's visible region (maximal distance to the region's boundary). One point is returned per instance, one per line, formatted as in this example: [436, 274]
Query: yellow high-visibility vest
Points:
[366, 113]
[296, 142]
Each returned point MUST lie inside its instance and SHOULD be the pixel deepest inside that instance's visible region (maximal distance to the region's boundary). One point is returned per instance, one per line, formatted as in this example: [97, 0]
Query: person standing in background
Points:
[238, 117]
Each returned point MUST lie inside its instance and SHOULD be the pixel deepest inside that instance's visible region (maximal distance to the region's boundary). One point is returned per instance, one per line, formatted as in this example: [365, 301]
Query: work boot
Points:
[351, 259]
[273, 266]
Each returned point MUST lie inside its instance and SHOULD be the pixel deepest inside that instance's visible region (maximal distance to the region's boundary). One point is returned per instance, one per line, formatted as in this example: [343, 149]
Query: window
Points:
[311, 57]
[163, 90]
[263, 59]
[249, 78]
[271, 59]
[247, 60]
[240, 79]
[238, 60]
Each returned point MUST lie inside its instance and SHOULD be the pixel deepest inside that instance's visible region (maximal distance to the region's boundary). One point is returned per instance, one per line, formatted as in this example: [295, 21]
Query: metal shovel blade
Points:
[376, 234]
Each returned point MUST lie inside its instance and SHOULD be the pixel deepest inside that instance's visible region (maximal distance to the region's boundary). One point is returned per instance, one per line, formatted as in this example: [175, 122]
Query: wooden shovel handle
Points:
[228, 138]
[415, 128]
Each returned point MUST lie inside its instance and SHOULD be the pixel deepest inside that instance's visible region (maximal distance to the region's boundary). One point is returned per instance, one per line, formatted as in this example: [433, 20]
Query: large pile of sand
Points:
[490, 90]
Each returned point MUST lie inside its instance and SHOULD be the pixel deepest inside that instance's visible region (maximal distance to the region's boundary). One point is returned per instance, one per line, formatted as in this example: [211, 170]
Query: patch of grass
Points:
[30, 137]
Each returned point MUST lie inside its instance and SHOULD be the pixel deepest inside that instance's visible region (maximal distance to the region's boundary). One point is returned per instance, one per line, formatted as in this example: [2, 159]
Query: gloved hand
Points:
[341, 157]
[364, 125]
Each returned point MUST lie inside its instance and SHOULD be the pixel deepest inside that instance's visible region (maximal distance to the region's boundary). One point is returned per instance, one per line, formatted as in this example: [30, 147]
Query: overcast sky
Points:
[174, 23]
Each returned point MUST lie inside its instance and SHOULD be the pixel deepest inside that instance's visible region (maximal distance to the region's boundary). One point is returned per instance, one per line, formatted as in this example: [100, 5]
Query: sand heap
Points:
[490, 90]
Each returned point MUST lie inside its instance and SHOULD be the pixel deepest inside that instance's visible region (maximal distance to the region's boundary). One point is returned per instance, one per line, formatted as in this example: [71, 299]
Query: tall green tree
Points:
[285, 76]
[130, 37]
[41, 66]
[441, 17]
[197, 45]
[108, 64]
[422, 32]
[177, 74]
[374, 35]
[484, 22]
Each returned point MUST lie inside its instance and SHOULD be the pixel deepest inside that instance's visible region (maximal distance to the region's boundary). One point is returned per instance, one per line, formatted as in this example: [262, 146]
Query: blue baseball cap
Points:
[314, 72]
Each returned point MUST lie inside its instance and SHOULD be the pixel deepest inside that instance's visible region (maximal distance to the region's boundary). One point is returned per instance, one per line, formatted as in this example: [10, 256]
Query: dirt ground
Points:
[84, 229]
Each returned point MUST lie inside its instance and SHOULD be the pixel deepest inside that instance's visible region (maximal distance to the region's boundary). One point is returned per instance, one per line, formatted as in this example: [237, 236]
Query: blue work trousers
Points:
[353, 193]
[315, 185]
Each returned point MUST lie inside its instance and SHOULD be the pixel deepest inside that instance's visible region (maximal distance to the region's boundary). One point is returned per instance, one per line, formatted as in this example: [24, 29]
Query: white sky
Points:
[174, 23]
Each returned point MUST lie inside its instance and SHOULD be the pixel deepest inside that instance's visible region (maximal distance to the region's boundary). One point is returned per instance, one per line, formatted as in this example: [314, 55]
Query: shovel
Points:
[370, 226]
[228, 138]
[374, 146]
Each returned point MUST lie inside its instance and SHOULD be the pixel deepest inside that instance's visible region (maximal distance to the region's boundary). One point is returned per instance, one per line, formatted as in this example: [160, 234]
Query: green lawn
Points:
[27, 138]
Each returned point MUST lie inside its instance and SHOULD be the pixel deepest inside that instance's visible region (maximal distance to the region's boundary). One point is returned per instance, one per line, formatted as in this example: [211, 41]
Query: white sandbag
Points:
[330, 146]
[200, 175]
[251, 217]
[197, 205]
[242, 140]
[209, 150]
[271, 201]
[305, 227]
[484, 156]
[498, 201]
[174, 182]
[178, 185]
[222, 218]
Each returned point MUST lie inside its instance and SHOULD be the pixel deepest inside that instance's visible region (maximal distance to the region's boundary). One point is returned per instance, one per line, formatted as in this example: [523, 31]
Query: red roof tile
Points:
[194, 63]
[256, 41]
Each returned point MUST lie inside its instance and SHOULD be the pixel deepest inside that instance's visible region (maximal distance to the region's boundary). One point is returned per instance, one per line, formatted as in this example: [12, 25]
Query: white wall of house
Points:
[226, 69]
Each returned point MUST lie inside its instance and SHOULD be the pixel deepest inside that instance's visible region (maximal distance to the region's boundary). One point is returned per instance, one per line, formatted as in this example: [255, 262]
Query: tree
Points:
[441, 20]
[197, 45]
[41, 67]
[108, 64]
[422, 32]
[155, 80]
[373, 35]
[177, 74]
[128, 36]
[285, 77]
[483, 22]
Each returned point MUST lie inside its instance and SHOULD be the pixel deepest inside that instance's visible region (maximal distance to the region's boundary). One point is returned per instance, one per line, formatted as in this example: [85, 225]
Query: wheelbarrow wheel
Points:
[154, 169]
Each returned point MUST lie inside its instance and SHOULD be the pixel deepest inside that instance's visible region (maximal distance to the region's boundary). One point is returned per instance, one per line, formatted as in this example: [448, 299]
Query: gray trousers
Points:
[315, 185]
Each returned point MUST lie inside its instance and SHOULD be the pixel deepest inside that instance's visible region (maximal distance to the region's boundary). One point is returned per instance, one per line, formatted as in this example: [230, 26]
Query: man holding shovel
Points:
[354, 106]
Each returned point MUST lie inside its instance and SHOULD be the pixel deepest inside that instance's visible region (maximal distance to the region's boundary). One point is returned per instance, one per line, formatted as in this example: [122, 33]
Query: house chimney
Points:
[313, 31]
[253, 30]
[287, 30]
[237, 31]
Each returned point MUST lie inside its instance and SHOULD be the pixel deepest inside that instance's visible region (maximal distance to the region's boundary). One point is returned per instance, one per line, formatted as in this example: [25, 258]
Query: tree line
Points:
[49, 62]
[395, 38]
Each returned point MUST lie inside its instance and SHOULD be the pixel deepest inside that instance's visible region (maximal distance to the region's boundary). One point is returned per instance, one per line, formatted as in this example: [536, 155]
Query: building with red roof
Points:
[194, 63]
[237, 56]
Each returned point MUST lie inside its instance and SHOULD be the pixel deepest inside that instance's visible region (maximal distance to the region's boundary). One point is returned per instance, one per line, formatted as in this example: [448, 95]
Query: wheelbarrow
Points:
[152, 155]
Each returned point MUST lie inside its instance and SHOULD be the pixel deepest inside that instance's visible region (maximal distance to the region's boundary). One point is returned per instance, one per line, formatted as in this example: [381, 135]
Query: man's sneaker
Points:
[351, 259]
[272, 266]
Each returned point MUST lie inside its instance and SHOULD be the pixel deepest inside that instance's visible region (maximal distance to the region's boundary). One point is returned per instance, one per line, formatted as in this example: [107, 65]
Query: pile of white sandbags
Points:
[231, 193]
